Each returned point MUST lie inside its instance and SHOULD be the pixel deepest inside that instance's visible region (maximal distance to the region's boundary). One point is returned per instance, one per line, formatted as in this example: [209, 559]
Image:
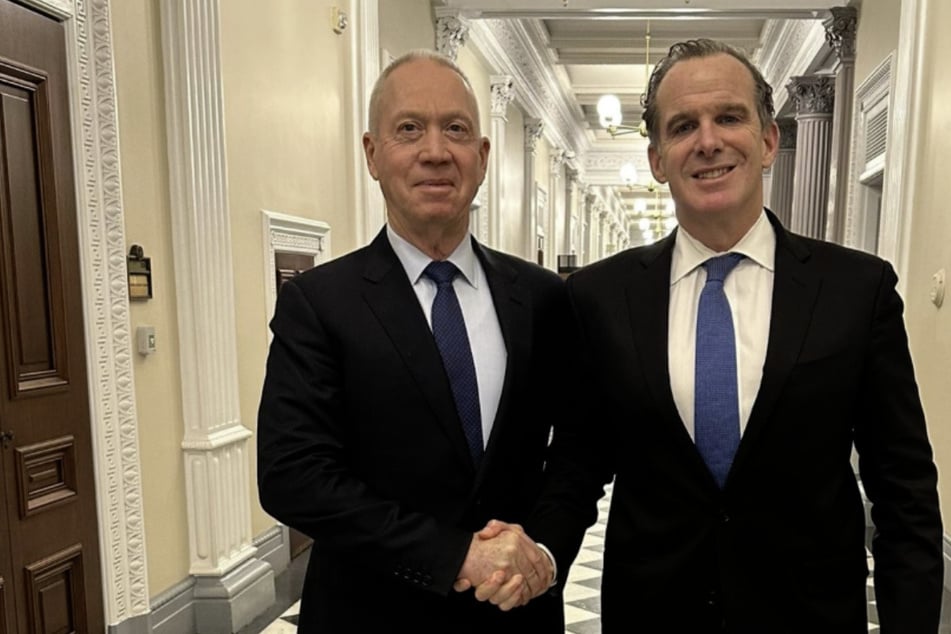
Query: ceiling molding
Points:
[790, 48]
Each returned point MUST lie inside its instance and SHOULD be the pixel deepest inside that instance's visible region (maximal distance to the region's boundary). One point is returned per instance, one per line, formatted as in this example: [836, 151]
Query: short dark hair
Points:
[691, 49]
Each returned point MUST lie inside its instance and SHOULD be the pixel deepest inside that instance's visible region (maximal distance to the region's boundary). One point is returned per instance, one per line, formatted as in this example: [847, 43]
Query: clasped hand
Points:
[505, 566]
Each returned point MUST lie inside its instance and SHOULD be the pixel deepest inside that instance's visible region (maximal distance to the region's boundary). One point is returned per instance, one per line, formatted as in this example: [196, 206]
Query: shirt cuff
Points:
[554, 565]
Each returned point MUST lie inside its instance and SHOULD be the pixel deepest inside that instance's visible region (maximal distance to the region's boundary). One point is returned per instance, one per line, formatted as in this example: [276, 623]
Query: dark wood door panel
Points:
[49, 538]
[30, 267]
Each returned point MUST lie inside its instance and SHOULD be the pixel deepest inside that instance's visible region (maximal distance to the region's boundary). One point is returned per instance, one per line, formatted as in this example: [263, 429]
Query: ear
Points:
[484, 147]
[770, 144]
[369, 150]
[657, 166]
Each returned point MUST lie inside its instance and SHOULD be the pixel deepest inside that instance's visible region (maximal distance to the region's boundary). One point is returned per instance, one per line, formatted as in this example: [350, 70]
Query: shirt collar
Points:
[414, 260]
[758, 245]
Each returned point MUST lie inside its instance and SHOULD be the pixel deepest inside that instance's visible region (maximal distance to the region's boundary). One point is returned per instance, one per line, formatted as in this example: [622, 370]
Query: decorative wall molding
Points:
[512, 47]
[233, 586]
[102, 249]
[790, 48]
[290, 234]
[840, 31]
[452, 32]
[898, 195]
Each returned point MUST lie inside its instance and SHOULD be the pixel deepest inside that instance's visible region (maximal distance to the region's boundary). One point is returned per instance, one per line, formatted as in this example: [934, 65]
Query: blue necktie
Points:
[449, 330]
[716, 406]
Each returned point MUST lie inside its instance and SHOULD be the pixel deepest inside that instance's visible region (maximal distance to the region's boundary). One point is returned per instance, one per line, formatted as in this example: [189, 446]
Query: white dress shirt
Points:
[749, 289]
[478, 310]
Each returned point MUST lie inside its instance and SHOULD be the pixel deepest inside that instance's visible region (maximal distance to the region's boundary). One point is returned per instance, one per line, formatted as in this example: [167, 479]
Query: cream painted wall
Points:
[930, 327]
[145, 199]
[406, 25]
[288, 151]
[877, 35]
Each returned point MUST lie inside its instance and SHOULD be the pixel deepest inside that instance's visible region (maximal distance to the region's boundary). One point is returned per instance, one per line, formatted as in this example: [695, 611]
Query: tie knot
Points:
[719, 267]
[442, 272]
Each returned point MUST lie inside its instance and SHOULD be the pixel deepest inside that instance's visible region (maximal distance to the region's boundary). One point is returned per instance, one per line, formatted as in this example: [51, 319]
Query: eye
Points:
[457, 130]
[729, 118]
[409, 128]
[683, 127]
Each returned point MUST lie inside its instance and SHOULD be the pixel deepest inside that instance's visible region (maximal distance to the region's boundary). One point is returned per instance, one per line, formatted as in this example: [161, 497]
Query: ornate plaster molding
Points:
[102, 248]
[502, 94]
[533, 132]
[812, 94]
[840, 30]
[452, 32]
[790, 49]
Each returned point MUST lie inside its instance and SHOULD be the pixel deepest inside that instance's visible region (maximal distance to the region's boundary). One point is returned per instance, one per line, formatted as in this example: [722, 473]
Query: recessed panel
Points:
[46, 474]
[55, 593]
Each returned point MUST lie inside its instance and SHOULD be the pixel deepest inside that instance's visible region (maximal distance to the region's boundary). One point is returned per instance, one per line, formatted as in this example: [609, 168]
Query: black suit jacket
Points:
[361, 448]
[781, 547]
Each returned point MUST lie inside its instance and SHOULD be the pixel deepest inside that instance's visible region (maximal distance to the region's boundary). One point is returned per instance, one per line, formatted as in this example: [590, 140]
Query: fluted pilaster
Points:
[783, 172]
[215, 444]
[813, 97]
[840, 34]
[533, 132]
[502, 95]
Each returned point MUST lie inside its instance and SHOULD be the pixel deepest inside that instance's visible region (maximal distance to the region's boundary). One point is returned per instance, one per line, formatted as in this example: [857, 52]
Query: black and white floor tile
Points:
[582, 590]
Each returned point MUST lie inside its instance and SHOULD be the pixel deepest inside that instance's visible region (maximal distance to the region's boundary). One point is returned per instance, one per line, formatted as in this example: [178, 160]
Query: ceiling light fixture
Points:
[609, 106]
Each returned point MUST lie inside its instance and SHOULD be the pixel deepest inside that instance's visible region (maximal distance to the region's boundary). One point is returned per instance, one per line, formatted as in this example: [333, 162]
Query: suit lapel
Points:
[390, 296]
[648, 297]
[513, 308]
[796, 284]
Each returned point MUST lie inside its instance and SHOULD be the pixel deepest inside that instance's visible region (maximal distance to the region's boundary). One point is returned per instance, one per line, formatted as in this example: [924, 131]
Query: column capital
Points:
[812, 94]
[502, 94]
[558, 159]
[533, 132]
[451, 35]
[840, 32]
[787, 133]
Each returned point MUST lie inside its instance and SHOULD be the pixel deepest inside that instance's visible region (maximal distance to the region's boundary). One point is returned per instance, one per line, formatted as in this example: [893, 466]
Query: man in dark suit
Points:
[733, 365]
[404, 407]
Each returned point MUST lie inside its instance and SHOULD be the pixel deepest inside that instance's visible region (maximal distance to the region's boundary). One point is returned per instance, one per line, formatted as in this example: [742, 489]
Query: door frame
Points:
[102, 249]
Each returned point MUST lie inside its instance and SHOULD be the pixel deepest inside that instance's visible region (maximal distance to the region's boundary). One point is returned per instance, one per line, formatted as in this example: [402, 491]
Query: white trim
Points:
[102, 255]
[905, 130]
[364, 68]
[290, 234]
[871, 97]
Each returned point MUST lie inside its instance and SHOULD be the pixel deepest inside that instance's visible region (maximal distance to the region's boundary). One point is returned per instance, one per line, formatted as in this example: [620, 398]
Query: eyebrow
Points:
[693, 114]
[453, 115]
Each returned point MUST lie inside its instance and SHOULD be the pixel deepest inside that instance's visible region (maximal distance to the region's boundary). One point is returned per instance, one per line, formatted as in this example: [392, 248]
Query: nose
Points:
[434, 147]
[708, 138]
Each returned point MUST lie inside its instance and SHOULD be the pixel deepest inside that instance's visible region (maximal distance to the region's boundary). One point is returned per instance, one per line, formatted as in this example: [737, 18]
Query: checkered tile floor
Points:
[582, 591]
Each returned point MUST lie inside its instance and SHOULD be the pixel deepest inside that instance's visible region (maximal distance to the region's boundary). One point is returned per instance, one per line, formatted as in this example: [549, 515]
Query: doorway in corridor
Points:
[50, 577]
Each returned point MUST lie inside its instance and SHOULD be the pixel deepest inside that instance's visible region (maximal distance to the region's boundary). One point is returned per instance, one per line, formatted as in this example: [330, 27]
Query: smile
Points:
[714, 173]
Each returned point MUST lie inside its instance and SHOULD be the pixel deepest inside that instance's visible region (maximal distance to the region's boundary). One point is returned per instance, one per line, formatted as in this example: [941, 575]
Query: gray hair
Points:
[692, 49]
[377, 94]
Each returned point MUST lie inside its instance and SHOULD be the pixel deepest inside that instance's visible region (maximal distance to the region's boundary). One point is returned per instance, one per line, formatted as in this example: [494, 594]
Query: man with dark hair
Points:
[410, 392]
[731, 367]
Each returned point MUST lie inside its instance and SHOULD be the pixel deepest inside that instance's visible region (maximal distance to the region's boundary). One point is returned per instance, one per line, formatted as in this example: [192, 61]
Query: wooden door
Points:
[49, 552]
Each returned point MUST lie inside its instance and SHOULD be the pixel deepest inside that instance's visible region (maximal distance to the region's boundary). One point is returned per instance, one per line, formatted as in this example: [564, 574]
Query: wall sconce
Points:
[140, 274]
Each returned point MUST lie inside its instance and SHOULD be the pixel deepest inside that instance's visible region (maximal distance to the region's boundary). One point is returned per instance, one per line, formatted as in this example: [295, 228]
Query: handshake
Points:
[505, 566]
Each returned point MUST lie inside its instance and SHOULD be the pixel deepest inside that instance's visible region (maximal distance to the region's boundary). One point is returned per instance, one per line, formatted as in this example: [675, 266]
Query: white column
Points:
[533, 132]
[840, 34]
[783, 172]
[233, 586]
[553, 243]
[502, 95]
[602, 232]
[813, 96]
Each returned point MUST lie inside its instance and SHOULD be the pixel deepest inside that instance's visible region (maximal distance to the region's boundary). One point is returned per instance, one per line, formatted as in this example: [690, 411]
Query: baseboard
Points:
[174, 611]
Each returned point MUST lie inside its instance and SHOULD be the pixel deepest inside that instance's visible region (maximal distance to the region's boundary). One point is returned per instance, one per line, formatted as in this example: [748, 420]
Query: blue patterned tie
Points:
[449, 330]
[716, 401]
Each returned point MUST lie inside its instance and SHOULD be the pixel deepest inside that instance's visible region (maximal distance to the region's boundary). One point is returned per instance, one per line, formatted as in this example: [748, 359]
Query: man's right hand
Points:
[505, 566]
